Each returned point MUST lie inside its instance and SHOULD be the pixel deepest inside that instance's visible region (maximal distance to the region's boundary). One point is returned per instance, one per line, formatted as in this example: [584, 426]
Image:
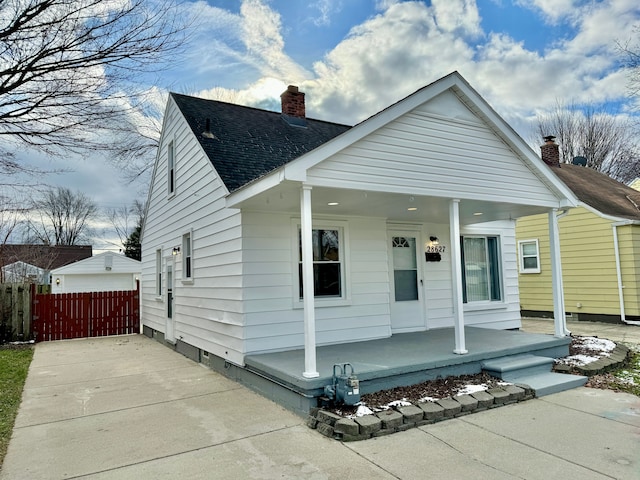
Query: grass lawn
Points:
[14, 365]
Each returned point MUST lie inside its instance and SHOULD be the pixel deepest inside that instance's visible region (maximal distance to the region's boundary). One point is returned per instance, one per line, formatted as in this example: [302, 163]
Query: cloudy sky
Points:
[355, 57]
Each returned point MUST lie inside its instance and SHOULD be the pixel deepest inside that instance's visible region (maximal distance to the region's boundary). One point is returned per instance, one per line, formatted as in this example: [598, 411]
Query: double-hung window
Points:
[171, 169]
[529, 254]
[481, 279]
[159, 273]
[328, 263]
[187, 257]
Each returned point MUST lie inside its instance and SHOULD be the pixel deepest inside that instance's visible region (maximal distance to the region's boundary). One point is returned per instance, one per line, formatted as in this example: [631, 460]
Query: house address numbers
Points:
[435, 248]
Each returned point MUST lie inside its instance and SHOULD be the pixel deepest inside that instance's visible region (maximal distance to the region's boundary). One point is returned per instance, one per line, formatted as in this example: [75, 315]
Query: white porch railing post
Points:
[456, 277]
[306, 227]
[560, 321]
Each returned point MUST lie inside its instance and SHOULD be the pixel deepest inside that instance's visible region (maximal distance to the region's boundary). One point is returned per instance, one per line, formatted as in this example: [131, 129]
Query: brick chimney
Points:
[550, 152]
[293, 102]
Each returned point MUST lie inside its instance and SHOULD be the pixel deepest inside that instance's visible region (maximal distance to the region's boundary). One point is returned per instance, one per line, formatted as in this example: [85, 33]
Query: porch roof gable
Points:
[297, 169]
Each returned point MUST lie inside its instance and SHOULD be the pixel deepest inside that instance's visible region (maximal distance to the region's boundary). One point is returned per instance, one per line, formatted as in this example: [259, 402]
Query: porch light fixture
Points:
[175, 251]
[57, 281]
[434, 241]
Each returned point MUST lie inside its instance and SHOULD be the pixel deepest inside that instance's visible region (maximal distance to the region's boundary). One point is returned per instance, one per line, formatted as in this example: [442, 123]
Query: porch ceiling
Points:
[398, 207]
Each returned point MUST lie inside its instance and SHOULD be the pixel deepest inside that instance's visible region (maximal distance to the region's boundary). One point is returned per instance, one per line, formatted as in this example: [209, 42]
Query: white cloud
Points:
[261, 33]
[386, 58]
[407, 45]
[326, 9]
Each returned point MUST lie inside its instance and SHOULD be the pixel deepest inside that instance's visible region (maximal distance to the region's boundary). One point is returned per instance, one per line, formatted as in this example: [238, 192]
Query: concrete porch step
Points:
[517, 365]
[551, 382]
[534, 371]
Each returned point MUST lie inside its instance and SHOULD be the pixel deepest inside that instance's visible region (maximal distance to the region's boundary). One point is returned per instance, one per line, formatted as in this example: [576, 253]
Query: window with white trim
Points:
[481, 269]
[171, 169]
[187, 256]
[529, 253]
[158, 273]
[328, 263]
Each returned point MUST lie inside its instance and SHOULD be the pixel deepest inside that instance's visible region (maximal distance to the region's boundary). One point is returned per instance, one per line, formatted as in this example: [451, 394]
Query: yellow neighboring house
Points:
[600, 250]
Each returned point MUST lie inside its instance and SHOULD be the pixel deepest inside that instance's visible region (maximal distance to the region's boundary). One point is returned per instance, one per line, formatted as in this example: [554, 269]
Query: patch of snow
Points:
[468, 389]
[601, 345]
[399, 403]
[577, 360]
[363, 410]
[427, 399]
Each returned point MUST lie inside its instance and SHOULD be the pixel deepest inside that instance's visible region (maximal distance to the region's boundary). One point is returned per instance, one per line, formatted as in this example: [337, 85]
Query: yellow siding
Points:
[588, 264]
[629, 241]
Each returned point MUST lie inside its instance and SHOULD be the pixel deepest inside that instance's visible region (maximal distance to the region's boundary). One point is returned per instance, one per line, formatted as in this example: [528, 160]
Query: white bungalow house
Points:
[270, 233]
[104, 272]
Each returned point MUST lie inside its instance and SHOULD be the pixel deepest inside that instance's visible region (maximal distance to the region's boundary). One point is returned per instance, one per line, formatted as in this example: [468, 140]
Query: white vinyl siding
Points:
[428, 154]
[208, 310]
[274, 323]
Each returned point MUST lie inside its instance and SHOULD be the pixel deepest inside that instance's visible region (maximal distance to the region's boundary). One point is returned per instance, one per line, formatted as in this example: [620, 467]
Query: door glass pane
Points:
[405, 270]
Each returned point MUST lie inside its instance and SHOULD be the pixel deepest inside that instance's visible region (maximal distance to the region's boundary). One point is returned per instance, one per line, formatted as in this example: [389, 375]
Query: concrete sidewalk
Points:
[613, 331]
[129, 408]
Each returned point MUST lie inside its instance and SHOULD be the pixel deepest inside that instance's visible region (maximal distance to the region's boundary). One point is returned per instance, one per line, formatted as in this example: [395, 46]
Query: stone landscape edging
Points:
[618, 356]
[401, 418]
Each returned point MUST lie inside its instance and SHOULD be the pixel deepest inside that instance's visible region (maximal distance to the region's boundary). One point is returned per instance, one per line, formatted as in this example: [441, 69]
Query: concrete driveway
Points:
[129, 408]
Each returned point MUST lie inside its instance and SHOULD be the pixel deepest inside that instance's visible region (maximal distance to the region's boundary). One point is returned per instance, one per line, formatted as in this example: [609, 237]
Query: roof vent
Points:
[582, 161]
[207, 130]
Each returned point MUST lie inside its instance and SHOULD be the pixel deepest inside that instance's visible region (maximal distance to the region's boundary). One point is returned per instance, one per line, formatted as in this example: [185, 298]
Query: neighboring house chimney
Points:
[550, 152]
[293, 102]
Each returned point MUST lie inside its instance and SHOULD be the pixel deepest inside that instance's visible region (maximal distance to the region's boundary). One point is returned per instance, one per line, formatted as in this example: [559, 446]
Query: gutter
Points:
[616, 249]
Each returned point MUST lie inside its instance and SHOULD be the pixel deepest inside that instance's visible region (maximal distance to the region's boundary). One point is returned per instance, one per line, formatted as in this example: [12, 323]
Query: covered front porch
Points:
[402, 359]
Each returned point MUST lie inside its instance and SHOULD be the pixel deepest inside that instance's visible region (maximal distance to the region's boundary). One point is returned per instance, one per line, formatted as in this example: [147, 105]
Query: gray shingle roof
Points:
[248, 143]
[601, 192]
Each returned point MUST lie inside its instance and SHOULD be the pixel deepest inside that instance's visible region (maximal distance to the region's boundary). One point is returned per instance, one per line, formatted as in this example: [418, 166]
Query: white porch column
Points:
[560, 320]
[456, 277]
[306, 227]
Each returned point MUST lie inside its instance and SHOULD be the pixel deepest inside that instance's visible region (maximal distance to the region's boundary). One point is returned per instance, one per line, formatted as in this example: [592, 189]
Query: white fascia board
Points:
[155, 166]
[252, 189]
[477, 104]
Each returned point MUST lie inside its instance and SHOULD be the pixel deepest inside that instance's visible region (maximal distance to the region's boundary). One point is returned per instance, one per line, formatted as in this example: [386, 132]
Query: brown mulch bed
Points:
[439, 388]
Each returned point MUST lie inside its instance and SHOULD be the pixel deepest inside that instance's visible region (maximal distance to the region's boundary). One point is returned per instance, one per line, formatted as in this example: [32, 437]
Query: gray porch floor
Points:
[403, 359]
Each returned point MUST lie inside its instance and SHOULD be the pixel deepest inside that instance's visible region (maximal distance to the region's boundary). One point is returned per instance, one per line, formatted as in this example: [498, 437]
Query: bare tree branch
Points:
[69, 69]
[63, 217]
[608, 142]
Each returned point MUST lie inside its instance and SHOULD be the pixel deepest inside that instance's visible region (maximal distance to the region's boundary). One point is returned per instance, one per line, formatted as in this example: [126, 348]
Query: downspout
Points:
[561, 329]
[616, 249]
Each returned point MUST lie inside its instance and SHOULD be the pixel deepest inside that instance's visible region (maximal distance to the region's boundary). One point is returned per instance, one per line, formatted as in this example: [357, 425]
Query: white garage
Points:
[100, 273]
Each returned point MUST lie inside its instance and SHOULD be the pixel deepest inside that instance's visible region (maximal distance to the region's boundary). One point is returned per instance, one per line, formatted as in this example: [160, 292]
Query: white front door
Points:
[407, 312]
[169, 334]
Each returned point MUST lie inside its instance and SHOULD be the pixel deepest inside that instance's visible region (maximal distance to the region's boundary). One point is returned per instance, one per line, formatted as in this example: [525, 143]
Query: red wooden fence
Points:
[61, 316]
